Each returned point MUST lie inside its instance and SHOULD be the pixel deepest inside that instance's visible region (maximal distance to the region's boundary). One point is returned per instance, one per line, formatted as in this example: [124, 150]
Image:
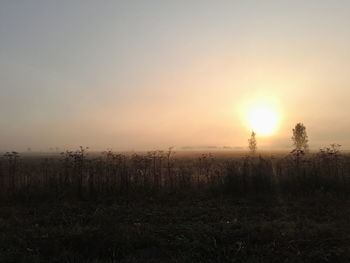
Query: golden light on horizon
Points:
[263, 120]
[261, 114]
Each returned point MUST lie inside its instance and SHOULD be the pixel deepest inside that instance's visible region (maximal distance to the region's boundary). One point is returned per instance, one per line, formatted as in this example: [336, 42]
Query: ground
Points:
[196, 229]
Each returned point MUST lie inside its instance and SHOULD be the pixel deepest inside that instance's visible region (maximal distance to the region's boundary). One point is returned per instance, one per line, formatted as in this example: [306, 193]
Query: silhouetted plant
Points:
[300, 138]
[155, 172]
[12, 160]
[205, 164]
[252, 144]
[330, 160]
[170, 167]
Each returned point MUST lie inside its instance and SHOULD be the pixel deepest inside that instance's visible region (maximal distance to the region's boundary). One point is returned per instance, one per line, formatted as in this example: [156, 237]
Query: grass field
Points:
[177, 230]
[159, 207]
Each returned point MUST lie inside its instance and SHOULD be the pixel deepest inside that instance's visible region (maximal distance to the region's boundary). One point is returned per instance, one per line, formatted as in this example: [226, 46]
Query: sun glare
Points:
[263, 120]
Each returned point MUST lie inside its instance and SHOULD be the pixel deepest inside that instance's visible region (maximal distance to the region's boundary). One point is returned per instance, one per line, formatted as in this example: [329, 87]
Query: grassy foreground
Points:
[181, 230]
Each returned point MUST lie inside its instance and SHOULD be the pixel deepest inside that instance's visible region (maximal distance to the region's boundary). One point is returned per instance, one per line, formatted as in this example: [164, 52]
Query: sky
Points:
[139, 75]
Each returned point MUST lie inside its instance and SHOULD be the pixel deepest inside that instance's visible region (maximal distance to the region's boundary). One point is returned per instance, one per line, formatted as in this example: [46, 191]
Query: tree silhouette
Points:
[252, 143]
[300, 138]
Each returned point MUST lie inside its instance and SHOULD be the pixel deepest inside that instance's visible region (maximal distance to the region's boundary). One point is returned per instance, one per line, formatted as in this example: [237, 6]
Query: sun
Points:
[263, 120]
[261, 113]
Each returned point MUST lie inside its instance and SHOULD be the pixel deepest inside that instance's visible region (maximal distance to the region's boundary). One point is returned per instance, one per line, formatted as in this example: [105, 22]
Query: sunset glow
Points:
[140, 75]
[175, 131]
[263, 120]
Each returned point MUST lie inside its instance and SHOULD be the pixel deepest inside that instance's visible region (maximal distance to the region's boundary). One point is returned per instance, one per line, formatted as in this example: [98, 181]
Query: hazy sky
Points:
[152, 74]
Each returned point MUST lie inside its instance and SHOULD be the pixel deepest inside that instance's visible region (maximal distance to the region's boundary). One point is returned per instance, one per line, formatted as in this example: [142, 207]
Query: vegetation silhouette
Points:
[82, 175]
[162, 206]
[300, 138]
[252, 144]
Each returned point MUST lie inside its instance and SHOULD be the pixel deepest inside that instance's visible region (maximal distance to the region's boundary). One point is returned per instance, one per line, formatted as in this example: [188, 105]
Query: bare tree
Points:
[300, 138]
[252, 143]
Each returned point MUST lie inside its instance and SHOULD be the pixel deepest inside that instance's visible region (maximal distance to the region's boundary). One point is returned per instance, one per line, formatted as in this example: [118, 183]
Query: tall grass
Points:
[77, 174]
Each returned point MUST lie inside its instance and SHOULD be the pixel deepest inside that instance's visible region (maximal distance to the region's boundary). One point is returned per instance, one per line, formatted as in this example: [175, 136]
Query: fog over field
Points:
[186, 131]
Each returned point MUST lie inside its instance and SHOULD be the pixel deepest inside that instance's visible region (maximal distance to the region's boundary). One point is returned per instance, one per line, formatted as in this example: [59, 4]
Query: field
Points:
[175, 207]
